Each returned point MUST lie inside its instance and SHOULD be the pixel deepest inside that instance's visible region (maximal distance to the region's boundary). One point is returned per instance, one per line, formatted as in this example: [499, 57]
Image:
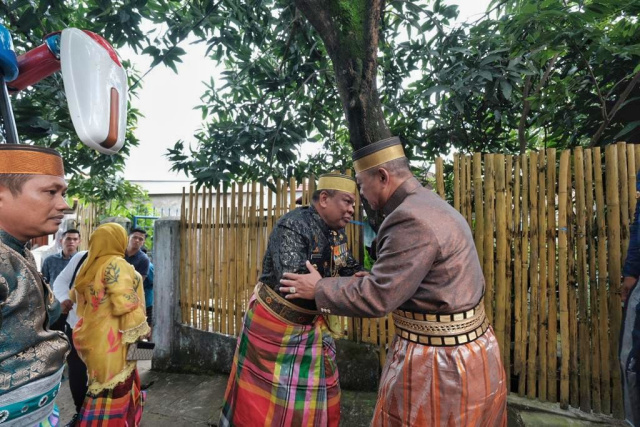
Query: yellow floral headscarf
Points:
[107, 241]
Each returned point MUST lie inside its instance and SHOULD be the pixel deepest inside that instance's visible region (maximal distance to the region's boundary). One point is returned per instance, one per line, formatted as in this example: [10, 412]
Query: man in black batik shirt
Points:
[284, 370]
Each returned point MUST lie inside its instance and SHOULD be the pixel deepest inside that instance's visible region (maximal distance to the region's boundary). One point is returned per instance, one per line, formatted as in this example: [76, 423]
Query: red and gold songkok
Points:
[30, 160]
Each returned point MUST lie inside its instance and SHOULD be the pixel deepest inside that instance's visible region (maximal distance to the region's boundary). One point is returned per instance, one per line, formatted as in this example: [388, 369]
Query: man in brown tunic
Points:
[444, 365]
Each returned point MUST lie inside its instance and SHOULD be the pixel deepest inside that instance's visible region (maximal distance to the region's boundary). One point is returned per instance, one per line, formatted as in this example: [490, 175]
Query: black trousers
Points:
[77, 373]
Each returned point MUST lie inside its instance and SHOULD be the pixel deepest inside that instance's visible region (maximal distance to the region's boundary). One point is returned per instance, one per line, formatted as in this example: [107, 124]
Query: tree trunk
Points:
[349, 29]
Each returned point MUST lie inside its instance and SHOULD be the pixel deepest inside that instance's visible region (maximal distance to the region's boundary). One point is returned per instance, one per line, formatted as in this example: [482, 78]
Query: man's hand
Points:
[300, 285]
[66, 306]
[627, 285]
[361, 273]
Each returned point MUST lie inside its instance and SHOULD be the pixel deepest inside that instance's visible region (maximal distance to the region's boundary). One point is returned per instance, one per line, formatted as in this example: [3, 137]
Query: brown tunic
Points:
[427, 262]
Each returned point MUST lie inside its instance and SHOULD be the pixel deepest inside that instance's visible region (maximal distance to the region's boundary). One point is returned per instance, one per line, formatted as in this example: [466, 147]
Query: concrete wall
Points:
[182, 348]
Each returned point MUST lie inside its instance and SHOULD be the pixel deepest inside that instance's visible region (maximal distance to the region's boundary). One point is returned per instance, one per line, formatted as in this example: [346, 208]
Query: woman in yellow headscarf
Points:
[111, 308]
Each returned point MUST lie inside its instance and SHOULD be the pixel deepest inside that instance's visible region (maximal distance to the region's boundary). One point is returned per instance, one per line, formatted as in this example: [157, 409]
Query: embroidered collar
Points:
[318, 219]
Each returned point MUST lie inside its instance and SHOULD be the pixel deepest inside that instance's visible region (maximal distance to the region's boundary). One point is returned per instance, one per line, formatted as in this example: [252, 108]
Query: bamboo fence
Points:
[551, 230]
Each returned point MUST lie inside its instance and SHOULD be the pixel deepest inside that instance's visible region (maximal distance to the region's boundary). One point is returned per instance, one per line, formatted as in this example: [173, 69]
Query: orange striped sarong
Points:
[463, 385]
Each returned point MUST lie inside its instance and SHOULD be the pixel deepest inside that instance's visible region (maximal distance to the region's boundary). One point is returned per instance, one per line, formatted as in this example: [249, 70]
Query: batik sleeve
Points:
[290, 251]
[122, 285]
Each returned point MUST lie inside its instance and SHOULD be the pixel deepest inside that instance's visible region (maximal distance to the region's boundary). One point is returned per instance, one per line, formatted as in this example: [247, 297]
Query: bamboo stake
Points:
[477, 190]
[533, 276]
[467, 194]
[216, 263]
[488, 234]
[183, 257]
[593, 290]
[574, 394]
[246, 256]
[624, 200]
[239, 260]
[615, 312]
[210, 262]
[552, 328]
[602, 284]
[224, 314]
[192, 255]
[517, 273]
[632, 170]
[440, 176]
[542, 276]
[524, 283]
[583, 330]
[562, 277]
[203, 263]
[270, 212]
[456, 182]
[254, 225]
[292, 192]
[509, 257]
[501, 256]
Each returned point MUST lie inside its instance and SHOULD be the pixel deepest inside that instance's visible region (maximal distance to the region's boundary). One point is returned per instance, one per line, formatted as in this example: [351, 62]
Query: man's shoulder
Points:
[298, 217]
[137, 257]
[52, 257]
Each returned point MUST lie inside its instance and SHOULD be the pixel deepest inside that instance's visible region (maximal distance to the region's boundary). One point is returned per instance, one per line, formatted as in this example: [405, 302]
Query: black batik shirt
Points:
[300, 236]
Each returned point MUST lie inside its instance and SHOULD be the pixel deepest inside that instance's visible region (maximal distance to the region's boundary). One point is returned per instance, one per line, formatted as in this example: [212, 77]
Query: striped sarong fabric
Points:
[462, 385]
[119, 407]
[282, 375]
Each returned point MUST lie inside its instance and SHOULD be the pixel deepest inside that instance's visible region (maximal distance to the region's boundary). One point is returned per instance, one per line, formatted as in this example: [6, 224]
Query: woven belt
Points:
[441, 329]
[283, 309]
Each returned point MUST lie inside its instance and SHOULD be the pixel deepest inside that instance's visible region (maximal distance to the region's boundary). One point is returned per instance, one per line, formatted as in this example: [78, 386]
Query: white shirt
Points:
[61, 286]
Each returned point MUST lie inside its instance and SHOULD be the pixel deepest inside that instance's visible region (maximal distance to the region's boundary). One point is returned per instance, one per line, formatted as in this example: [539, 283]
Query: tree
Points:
[528, 74]
[343, 74]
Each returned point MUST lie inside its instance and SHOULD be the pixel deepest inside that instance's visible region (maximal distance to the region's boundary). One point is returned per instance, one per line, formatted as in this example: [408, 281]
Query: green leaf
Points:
[627, 129]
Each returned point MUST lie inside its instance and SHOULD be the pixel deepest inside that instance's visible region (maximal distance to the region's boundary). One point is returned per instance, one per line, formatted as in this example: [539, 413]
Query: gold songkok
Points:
[30, 160]
[377, 153]
[336, 181]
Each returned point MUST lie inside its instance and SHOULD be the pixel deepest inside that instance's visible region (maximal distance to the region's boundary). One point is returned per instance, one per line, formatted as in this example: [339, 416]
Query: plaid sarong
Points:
[119, 407]
[283, 374]
[462, 385]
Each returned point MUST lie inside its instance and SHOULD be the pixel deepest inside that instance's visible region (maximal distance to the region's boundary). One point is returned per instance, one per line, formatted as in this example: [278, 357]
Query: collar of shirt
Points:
[318, 219]
[12, 242]
[400, 194]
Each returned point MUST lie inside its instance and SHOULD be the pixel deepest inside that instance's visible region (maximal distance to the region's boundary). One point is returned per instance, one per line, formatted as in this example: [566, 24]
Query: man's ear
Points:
[383, 175]
[322, 199]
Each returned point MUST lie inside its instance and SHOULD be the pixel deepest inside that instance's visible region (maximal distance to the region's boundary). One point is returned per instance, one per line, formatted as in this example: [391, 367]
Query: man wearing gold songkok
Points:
[444, 366]
[32, 204]
[284, 371]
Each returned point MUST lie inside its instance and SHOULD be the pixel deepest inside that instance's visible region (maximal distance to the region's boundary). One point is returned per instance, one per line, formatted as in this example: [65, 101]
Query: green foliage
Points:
[41, 111]
[561, 65]
[528, 74]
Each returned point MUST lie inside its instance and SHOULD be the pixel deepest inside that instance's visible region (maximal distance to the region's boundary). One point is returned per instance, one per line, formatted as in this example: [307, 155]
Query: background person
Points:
[32, 204]
[134, 254]
[77, 369]
[111, 309]
[630, 338]
[54, 264]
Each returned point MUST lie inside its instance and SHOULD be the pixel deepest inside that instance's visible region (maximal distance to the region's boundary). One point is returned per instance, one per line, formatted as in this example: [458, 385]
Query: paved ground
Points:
[176, 400]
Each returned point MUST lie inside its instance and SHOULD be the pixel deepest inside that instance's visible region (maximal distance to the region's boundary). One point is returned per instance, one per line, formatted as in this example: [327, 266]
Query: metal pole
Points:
[9, 122]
